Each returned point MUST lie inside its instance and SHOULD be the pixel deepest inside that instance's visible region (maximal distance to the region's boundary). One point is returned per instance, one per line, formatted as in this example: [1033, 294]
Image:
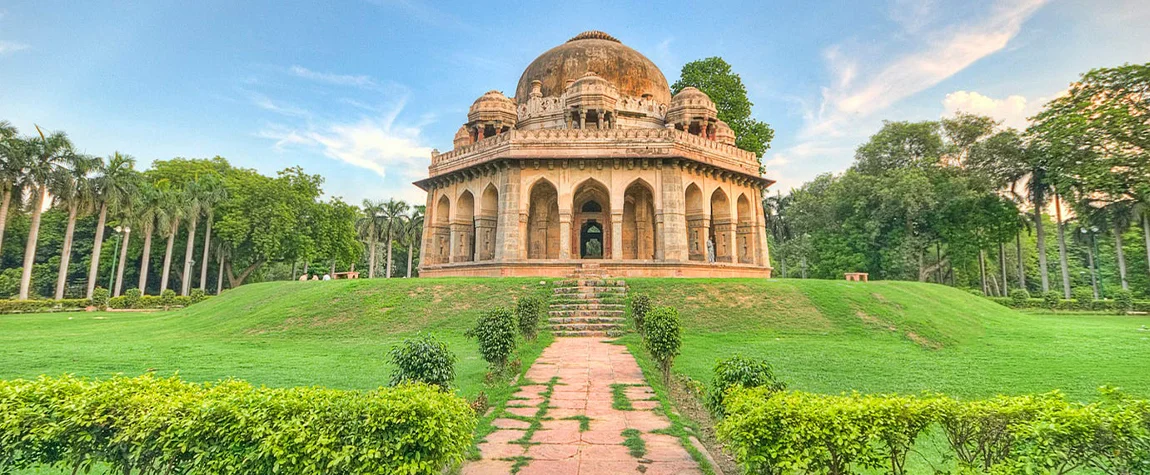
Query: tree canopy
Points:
[714, 77]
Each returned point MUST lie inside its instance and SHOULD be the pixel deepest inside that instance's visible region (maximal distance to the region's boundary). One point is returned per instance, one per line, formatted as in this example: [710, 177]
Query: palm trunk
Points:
[220, 276]
[7, 201]
[1145, 233]
[1040, 233]
[371, 254]
[168, 256]
[389, 241]
[123, 258]
[145, 257]
[1021, 262]
[30, 247]
[186, 280]
[410, 252]
[1121, 258]
[1093, 269]
[66, 253]
[938, 262]
[1002, 267]
[94, 269]
[982, 270]
[1062, 249]
[207, 246]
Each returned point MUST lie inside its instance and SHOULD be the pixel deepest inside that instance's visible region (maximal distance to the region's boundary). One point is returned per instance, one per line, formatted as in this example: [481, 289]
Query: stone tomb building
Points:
[594, 165]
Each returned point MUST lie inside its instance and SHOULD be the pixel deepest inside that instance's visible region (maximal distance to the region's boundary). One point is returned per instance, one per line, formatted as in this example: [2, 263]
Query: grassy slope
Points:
[333, 334]
[832, 336]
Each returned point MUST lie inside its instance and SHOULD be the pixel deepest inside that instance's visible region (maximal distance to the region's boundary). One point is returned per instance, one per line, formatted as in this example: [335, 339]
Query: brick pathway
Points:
[580, 376]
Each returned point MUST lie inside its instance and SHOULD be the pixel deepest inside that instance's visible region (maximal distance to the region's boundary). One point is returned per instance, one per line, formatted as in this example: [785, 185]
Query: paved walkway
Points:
[579, 431]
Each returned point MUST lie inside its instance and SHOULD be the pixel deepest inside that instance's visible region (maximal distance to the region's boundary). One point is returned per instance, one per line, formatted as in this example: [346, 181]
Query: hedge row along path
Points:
[564, 420]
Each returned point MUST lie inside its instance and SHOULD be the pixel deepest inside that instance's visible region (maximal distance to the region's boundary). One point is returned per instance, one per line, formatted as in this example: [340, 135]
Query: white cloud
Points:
[266, 103]
[1012, 110]
[336, 79]
[11, 47]
[912, 15]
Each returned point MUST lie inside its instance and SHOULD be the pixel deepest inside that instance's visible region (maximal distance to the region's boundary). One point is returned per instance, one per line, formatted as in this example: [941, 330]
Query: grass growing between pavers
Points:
[584, 422]
[619, 399]
[633, 442]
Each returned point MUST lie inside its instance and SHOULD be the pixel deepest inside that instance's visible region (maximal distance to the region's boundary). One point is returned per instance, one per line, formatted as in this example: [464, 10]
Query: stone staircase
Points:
[588, 305]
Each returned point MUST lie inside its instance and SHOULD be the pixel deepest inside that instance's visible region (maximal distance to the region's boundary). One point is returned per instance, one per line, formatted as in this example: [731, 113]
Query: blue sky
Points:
[361, 90]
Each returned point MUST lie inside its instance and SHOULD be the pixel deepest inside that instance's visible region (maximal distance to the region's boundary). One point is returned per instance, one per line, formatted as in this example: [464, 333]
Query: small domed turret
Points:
[693, 112]
[493, 106]
[462, 137]
[724, 133]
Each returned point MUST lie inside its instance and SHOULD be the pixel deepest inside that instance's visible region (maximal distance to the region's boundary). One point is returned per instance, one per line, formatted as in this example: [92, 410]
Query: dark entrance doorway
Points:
[591, 240]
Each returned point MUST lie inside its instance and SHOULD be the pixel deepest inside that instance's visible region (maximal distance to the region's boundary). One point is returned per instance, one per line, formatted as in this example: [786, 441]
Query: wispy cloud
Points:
[266, 103]
[913, 15]
[12, 47]
[362, 81]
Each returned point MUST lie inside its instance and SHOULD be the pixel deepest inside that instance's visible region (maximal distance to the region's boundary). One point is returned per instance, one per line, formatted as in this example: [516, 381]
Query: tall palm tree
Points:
[1121, 215]
[193, 207]
[368, 227]
[147, 213]
[11, 171]
[1038, 189]
[1063, 264]
[75, 190]
[223, 252]
[393, 212]
[214, 193]
[44, 157]
[115, 188]
[174, 211]
[413, 233]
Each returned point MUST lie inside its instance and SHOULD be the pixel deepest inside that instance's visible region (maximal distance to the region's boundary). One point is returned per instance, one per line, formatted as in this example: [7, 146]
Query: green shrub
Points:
[976, 292]
[495, 332]
[100, 298]
[167, 298]
[423, 359]
[1084, 297]
[640, 305]
[1019, 297]
[196, 296]
[1123, 301]
[663, 338]
[38, 306]
[528, 313]
[152, 425]
[1051, 299]
[118, 302]
[132, 297]
[739, 372]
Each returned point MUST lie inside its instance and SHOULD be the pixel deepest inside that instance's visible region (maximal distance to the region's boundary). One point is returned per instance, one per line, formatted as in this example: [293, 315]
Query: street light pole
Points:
[119, 242]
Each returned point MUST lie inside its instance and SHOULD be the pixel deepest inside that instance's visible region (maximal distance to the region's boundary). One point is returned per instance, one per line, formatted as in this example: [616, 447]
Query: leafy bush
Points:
[640, 305]
[38, 306]
[495, 332]
[196, 296]
[528, 312]
[781, 432]
[1019, 296]
[132, 298]
[152, 425]
[100, 298]
[423, 359]
[663, 337]
[739, 372]
[977, 292]
[1123, 301]
[1050, 299]
[167, 298]
[1084, 297]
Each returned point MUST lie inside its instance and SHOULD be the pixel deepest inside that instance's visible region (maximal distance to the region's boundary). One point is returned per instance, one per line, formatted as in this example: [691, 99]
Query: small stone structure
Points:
[593, 160]
[857, 276]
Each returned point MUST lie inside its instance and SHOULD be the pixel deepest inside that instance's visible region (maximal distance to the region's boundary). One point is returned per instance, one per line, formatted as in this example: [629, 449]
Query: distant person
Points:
[326, 277]
[711, 250]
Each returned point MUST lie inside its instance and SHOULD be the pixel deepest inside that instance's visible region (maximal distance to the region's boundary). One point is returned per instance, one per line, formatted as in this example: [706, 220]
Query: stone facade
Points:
[601, 172]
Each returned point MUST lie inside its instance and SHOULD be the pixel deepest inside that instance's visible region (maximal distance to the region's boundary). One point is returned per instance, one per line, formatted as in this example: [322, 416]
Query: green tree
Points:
[115, 187]
[368, 227]
[412, 234]
[11, 171]
[213, 193]
[73, 189]
[393, 214]
[42, 160]
[714, 77]
[148, 212]
[173, 211]
[194, 201]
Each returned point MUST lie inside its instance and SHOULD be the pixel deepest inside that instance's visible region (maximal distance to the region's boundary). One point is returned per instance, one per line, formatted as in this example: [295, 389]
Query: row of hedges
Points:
[774, 432]
[1071, 305]
[43, 306]
[153, 425]
[132, 299]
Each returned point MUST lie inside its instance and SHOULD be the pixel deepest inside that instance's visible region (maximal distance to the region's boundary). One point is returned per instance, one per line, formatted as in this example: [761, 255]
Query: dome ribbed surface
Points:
[628, 70]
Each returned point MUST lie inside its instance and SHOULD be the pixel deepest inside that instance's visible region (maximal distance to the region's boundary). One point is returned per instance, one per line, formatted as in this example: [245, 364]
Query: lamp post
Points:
[119, 242]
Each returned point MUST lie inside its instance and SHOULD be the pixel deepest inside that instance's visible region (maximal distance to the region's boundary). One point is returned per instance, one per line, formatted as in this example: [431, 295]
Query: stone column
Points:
[564, 234]
[485, 238]
[509, 242]
[426, 241]
[616, 235]
[453, 240]
[763, 256]
[672, 216]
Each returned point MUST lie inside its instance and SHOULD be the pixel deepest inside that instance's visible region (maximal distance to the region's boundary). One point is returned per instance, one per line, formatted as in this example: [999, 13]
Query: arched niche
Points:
[698, 224]
[638, 222]
[543, 221]
[746, 230]
[463, 228]
[487, 224]
[591, 205]
[722, 226]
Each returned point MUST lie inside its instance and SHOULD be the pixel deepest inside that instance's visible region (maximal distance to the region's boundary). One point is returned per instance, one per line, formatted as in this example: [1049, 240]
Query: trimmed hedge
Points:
[126, 301]
[782, 432]
[149, 302]
[154, 425]
[43, 306]
[1072, 305]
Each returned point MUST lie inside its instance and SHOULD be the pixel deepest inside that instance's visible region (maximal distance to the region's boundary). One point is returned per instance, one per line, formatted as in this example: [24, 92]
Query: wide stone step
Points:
[579, 327]
[581, 334]
[612, 320]
[590, 282]
[591, 295]
[587, 313]
[588, 289]
[587, 306]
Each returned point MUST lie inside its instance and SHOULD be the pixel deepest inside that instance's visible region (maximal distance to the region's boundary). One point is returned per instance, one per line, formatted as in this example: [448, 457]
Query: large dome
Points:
[631, 72]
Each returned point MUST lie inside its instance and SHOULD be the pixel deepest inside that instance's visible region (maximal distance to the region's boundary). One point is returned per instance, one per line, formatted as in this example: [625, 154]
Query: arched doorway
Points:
[722, 228]
[543, 222]
[638, 222]
[698, 226]
[441, 232]
[487, 224]
[746, 230]
[592, 204]
[591, 241]
[463, 228]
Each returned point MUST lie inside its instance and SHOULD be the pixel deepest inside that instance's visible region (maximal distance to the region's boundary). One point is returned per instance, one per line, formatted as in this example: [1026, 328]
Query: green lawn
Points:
[905, 337]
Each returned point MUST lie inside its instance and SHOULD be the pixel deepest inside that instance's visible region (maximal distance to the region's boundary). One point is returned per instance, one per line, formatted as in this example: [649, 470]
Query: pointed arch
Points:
[543, 220]
[698, 224]
[463, 228]
[639, 221]
[591, 220]
[746, 230]
[722, 226]
[487, 223]
[441, 232]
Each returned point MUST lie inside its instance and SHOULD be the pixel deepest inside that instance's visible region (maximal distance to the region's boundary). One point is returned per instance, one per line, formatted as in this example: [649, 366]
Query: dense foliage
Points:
[663, 337]
[151, 425]
[739, 372]
[782, 432]
[528, 313]
[422, 359]
[640, 305]
[714, 77]
[495, 331]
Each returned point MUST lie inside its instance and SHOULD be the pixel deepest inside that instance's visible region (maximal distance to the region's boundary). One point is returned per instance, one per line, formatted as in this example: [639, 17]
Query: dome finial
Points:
[594, 35]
